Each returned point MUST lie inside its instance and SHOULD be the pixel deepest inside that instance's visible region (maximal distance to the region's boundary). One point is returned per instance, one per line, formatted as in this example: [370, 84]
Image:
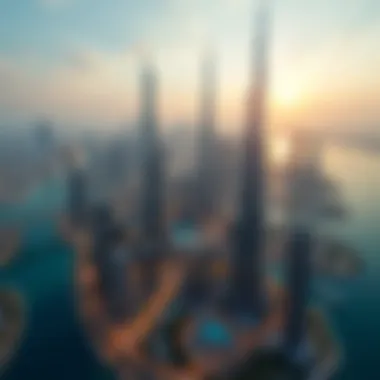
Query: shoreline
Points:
[115, 345]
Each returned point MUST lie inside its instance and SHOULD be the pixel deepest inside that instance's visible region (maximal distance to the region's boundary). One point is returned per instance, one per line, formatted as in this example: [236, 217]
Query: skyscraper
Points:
[77, 202]
[116, 270]
[298, 256]
[152, 207]
[152, 183]
[116, 161]
[101, 223]
[247, 262]
[111, 258]
[207, 148]
[303, 204]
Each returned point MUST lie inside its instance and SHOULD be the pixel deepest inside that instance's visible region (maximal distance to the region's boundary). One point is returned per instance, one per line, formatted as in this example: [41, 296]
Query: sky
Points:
[77, 62]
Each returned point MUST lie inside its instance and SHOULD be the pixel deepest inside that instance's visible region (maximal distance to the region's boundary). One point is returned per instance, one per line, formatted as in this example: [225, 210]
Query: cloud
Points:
[99, 90]
[335, 79]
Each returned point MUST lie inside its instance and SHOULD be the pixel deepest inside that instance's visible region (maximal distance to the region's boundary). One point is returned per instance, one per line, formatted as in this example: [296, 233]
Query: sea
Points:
[54, 345]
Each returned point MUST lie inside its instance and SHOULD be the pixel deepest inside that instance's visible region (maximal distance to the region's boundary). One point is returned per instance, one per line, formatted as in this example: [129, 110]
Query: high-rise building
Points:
[101, 223]
[116, 161]
[206, 168]
[303, 208]
[77, 202]
[118, 300]
[298, 256]
[111, 257]
[152, 195]
[247, 262]
[152, 211]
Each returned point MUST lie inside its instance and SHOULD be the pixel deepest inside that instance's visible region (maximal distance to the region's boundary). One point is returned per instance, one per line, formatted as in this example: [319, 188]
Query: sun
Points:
[287, 96]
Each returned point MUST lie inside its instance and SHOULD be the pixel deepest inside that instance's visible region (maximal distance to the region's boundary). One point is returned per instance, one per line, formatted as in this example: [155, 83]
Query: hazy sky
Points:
[77, 61]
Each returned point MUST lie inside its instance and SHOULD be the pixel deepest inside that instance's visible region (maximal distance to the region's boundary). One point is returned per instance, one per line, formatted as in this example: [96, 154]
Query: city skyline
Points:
[77, 62]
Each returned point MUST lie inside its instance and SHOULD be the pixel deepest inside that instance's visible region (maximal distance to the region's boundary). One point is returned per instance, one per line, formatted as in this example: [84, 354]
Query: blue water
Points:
[357, 322]
[213, 333]
[55, 346]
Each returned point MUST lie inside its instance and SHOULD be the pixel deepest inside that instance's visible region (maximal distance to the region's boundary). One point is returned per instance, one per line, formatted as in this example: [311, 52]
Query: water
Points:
[55, 344]
[358, 322]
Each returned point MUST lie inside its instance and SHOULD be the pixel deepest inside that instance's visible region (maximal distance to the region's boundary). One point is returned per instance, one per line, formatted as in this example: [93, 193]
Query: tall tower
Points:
[101, 223]
[303, 208]
[152, 190]
[152, 196]
[118, 300]
[206, 153]
[77, 197]
[77, 188]
[298, 282]
[247, 262]
[111, 257]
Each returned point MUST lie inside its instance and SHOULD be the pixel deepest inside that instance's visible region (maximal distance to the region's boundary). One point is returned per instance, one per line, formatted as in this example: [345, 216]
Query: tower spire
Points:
[247, 275]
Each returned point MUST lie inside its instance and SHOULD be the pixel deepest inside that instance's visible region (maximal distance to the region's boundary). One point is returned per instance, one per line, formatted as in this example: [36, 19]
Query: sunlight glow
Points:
[280, 150]
[287, 96]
